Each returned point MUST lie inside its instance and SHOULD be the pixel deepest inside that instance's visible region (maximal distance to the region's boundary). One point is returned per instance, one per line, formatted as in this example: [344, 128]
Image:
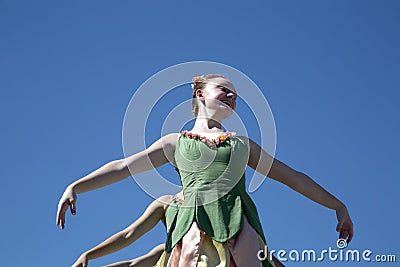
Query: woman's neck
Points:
[207, 125]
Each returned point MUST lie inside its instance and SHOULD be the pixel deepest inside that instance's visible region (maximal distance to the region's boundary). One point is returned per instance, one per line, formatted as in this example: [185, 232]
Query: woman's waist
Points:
[203, 183]
[211, 175]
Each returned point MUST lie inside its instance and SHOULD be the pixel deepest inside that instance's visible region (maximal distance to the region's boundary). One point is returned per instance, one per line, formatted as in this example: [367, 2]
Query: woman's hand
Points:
[345, 225]
[81, 262]
[68, 199]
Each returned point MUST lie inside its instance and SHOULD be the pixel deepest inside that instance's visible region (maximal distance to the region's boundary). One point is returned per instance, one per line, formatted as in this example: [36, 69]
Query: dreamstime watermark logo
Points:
[341, 243]
[163, 105]
[331, 254]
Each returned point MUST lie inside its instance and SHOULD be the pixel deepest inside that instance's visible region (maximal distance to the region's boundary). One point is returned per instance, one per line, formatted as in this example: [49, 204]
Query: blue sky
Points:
[329, 70]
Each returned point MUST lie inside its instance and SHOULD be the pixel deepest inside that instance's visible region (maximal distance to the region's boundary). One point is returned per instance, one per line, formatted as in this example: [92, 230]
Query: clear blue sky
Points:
[329, 69]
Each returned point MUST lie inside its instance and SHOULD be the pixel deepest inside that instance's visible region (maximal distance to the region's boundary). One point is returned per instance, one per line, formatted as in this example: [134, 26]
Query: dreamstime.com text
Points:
[331, 254]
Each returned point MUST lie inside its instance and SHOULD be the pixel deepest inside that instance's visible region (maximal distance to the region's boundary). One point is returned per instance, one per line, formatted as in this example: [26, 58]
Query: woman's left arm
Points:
[265, 164]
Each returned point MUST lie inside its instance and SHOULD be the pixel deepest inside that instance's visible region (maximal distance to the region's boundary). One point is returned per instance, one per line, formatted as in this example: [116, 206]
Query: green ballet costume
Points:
[213, 180]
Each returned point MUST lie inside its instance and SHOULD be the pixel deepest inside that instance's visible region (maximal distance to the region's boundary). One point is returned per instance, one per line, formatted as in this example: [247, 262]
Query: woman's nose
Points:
[231, 95]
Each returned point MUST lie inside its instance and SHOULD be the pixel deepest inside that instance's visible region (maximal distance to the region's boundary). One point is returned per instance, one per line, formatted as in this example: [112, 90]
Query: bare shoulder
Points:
[165, 141]
[158, 206]
[168, 144]
[246, 140]
[170, 139]
[164, 201]
[243, 138]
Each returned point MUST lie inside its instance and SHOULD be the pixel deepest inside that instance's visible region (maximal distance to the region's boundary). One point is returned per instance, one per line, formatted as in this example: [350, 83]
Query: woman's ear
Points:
[199, 94]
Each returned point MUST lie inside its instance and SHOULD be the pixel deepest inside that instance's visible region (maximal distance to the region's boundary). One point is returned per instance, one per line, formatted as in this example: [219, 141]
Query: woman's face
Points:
[220, 97]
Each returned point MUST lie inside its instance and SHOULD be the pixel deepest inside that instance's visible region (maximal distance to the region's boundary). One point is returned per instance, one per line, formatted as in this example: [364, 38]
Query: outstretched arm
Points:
[300, 182]
[147, 260]
[156, 155]
[153, 214]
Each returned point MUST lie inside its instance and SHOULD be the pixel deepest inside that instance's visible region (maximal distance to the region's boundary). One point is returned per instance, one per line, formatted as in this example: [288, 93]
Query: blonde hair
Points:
[200, 82]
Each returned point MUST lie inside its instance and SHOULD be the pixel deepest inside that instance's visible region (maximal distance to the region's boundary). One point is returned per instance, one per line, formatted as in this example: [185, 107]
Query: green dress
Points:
[213, 180]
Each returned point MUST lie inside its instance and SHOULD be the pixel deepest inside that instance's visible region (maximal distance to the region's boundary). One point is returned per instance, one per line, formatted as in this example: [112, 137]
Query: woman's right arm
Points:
[156, 155]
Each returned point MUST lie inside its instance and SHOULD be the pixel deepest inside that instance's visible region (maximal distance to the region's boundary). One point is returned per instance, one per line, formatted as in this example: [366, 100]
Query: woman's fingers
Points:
[351, 234]
[346, 231]
[339, 226]
[72, 203]
[60, 220]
